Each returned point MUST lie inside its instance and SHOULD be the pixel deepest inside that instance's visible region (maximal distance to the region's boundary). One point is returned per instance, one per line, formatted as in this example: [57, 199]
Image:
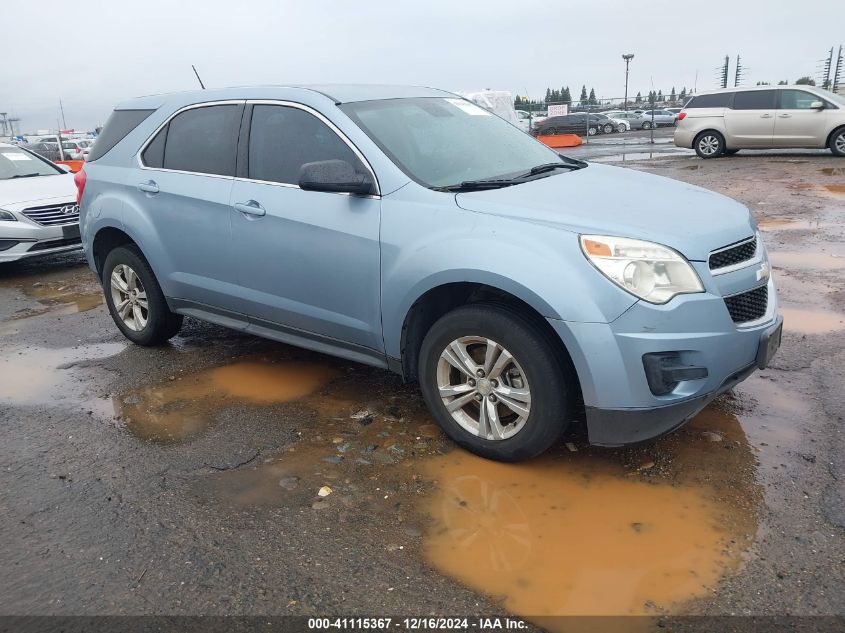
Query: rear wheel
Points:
[608, 128]
[592, 131]
[837, 142]
[622, 128]
[493, 383]
[135, 299]
[647, 125]
[709, 144]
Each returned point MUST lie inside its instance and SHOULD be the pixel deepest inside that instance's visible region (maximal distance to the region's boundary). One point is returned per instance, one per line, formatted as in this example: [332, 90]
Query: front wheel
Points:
[647, 125]
[592, 131]
[608, 128]
[493, 383]
[621, 128]
[837, 142]
[135, 299]
[709, 144]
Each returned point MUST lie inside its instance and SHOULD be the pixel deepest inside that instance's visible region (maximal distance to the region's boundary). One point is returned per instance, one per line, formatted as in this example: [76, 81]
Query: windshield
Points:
[442, 142]
[18, 163]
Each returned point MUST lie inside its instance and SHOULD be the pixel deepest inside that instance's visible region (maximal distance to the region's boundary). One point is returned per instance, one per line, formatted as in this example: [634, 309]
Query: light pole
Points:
[627, 57]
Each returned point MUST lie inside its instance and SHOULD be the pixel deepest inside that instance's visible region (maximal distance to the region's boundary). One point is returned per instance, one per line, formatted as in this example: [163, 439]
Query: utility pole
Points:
[738, 73]
[723, 80]
[837, 75]
[62, 108]
[826, 68]
[3, 121]
[627, 57]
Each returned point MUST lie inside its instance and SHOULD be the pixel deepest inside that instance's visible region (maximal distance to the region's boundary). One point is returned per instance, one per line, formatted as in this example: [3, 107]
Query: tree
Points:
[805, 81]
[583, 98]
[683, 94]
[765, 83]
[660, 95]
[548, 94]
[639, 98]
[782, 82]
[566, 95]
[672, 95]
[592, 98]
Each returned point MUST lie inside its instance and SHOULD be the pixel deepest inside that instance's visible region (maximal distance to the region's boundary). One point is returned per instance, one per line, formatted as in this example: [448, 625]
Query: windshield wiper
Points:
[24, 176]
[477, 185]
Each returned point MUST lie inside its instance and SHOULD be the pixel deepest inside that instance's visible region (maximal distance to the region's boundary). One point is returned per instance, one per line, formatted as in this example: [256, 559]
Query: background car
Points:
[606, 124]
[50, 151]
[658, 118]
[77, 149]
[632, 119]
[579, 123]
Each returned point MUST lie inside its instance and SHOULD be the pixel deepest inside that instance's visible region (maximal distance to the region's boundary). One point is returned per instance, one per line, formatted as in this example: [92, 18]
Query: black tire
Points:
[730, 152]
[551, 405]
[162, 324]
[592, 131]
[709, 144]
[608, 128]
[837, 142]
[647, 125]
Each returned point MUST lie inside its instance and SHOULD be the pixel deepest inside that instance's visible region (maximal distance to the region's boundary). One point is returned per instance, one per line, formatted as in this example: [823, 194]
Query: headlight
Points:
[7, 216]
[647, 270]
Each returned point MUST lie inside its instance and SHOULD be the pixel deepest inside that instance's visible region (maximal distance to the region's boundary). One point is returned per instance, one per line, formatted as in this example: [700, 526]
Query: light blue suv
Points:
[410, 229]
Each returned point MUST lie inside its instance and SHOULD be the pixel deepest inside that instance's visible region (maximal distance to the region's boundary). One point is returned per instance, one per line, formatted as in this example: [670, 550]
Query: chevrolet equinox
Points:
[410, 229]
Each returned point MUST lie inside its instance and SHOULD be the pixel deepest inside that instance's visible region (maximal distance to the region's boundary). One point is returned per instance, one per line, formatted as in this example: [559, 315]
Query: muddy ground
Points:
[225, 474]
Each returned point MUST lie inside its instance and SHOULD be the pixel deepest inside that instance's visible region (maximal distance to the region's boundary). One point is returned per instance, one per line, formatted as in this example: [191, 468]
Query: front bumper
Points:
[29, 239]
[608, 357]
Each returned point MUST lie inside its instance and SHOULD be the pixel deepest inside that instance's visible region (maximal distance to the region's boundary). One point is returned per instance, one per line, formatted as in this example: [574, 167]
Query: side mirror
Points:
[817, 105]
[336, 176]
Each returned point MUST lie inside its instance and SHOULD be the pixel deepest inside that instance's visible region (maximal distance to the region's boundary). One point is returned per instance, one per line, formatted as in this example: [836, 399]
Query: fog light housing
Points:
[664, 370]
[7, 244]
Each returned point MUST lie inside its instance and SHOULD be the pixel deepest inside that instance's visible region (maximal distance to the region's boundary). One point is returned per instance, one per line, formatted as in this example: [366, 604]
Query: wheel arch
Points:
[833, 132]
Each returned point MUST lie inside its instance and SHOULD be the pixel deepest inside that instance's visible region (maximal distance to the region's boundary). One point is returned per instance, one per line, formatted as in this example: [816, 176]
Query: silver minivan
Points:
[762, 117]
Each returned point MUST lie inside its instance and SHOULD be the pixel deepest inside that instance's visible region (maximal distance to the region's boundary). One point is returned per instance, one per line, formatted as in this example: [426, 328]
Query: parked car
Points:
[579, 123]
[77, 149]
[675, 111]
[524, 118]
[50, 151]
[606, 124]
[764, 117]
[38, 210]
[633, 120]
[657, 118]
[360, 221]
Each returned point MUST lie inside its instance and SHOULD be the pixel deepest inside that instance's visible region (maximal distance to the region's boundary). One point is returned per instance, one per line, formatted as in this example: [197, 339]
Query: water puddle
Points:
[806, 260]
[184, 406]
[37, 375]
[833, 171]
[551, 536]
[835, 188]
[66, 291]
[811, 321]
[791, 224]
[637, 156]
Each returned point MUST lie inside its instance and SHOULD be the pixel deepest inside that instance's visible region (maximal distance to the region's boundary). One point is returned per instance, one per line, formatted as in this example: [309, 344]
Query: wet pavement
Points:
[227, 474]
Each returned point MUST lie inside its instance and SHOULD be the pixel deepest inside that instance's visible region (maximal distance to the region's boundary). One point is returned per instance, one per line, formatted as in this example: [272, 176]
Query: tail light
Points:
[681, 116]
[79, 179]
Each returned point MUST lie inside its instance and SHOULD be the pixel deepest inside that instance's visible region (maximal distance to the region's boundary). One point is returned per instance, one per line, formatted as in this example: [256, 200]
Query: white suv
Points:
[38, 210]
[763, 117]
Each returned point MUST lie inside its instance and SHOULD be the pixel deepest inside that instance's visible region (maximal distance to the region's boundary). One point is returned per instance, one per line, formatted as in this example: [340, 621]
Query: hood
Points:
[20, 192]
[623, 202]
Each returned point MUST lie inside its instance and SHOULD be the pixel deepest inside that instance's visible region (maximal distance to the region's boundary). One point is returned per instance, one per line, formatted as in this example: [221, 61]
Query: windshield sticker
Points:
[16, 156]
[469, 108]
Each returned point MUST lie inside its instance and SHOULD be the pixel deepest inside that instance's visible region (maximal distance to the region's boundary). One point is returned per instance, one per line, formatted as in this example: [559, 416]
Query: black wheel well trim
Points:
[106, 240]
[440, 300]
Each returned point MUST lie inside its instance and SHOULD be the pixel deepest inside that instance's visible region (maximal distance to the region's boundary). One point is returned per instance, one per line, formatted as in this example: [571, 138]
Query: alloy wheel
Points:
[709, 145]
[483, 388]
[840, 142]
[129, 298]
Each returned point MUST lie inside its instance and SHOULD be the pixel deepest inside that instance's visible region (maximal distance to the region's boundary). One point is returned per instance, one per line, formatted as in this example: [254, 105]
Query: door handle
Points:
[149, 187]
[765, 116]
[784, 115]
[250, 207]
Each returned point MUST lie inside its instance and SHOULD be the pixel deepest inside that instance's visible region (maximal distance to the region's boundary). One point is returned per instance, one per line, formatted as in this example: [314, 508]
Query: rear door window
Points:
[203, 140]
[282, 139]
[797, 100]
[754, 100]
[119, 124]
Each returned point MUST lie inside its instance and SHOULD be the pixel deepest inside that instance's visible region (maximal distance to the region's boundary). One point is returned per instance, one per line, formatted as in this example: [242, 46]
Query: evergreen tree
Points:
[639, 98]
[672, 95]
[583, 98]
[566, 95]
[548, 95]
[592, 98]
[805, 81]
[683, 94]
[660, 95]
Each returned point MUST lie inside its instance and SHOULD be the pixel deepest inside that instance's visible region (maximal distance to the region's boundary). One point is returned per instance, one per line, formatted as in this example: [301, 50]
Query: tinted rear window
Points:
[120, 123]
[754, 100]
[719, 100]
[204, 140]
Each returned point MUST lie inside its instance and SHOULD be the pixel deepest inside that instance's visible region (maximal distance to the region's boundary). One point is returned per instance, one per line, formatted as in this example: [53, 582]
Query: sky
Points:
[107, 51]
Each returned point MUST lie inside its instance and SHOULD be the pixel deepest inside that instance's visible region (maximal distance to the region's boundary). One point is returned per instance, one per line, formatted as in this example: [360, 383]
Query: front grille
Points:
[54, 214]
[734, 254]
[748, 306]
[44, 246]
